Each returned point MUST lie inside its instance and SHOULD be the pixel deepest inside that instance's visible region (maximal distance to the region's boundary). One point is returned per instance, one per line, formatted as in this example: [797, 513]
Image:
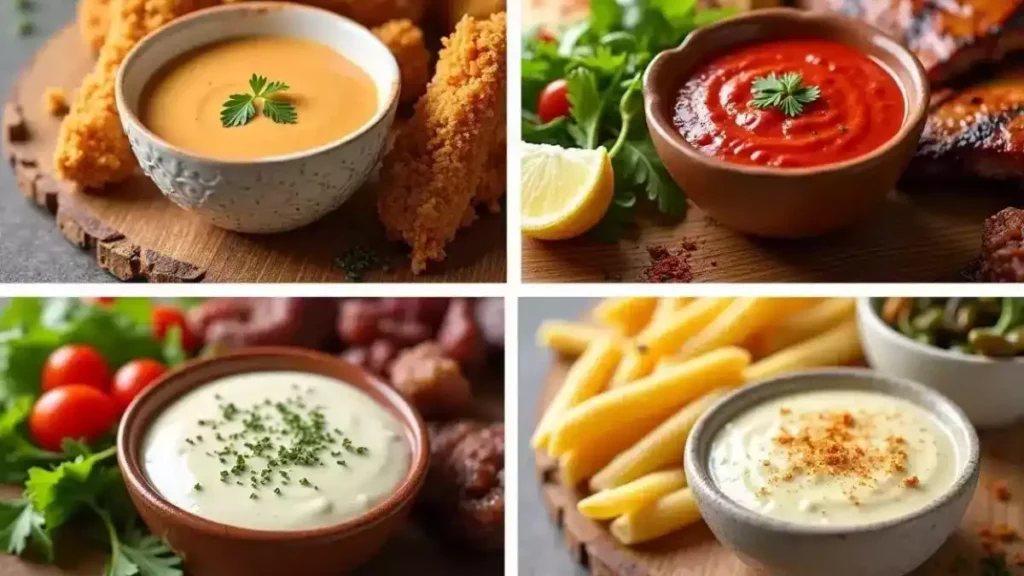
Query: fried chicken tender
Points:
[429, 180]
[93, 22]
[405, 40]
[373, 12]
[92, 148]
[449, 12]
[492, 186]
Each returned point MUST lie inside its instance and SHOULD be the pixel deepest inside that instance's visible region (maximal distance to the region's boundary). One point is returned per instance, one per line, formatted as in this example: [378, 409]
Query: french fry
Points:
[663, 309]
[629, 497]
[743, 317]
[666, 337]
[803, 325]
[569, 338]
[836, 347]
[661, 448]
[585, 460]
[661, 393]
[627, 315]
[670, 513]
[587, 377]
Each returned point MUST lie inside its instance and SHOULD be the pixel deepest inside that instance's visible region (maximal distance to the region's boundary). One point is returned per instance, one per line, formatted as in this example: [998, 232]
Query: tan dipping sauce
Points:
[838, 457]
[332, 96]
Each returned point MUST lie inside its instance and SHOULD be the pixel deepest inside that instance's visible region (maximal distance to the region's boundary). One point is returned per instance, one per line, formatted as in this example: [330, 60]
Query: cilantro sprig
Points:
[239, 109]
[786, 92]
[602, 61]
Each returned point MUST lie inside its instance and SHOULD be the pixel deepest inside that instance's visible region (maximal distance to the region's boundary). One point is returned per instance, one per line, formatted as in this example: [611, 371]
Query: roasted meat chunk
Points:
[465, 489]
[976, 133]
[949, 37]
[431, 381]
[1002, 247]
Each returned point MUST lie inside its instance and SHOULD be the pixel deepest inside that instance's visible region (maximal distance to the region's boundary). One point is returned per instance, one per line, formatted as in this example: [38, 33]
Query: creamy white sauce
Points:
[186, 462]
[800, 458]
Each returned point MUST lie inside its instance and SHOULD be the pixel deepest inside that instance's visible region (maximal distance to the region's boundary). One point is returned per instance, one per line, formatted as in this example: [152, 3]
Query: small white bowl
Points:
[886, 548]
[271, 194]
[989, 390]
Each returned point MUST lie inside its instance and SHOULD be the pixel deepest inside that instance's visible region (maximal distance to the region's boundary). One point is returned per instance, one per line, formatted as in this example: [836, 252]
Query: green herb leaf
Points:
[786, 92]
[585, 106]
[149, 555]
[280, 111]
[21, 529]
[17, 453]
[239, 109]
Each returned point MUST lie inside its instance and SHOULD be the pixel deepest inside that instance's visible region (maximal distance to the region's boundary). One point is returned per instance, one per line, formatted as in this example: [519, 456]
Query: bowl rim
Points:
[655, 103]
[868, 314]
[130, 463]
[699, 476]
[161, 34]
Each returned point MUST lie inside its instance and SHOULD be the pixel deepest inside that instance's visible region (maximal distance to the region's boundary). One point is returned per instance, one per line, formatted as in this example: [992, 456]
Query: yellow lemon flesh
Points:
[566, 191]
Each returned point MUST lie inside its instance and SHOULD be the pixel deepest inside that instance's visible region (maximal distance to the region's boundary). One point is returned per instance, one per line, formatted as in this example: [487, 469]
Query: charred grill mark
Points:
[986, 131]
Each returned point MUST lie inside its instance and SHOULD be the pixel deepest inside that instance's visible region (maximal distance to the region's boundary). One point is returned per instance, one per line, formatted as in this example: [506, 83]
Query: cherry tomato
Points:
[553, 102]
[100, 300]
[76, 364]
[164, 317]
[77, 411]
[546, 36]
[132, 378]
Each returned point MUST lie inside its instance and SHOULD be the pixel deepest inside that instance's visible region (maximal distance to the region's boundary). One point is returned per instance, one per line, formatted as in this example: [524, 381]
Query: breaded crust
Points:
[431, 176]
[405, 40]
[93, 22]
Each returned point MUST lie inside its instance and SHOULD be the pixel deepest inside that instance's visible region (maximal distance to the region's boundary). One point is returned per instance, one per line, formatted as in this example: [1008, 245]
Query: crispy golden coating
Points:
[93, 22]
[492, 185]
[92, 149]
[405, 40]
[373, 12]
[431, 176]
[449, 12]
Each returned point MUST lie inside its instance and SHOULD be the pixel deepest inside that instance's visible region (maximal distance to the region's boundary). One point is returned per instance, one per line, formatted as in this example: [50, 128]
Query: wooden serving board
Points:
[415, 549]
[929, 236]
[137, 234]
[694, 550]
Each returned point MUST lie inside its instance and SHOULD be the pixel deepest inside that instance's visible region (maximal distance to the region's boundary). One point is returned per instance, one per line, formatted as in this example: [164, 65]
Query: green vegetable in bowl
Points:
[984, 326]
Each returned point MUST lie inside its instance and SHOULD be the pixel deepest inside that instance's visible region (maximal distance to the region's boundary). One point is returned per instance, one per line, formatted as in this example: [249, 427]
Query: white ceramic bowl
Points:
[277, 193]
[989, 390]
[887, 548]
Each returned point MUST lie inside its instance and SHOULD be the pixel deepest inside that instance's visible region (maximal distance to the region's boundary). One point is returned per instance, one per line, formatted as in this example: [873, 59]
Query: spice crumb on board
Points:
[669, 265]
[1000, 490]
[56, 101]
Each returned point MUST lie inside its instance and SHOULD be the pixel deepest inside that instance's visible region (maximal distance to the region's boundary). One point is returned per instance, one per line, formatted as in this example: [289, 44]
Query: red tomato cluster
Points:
[81, 399]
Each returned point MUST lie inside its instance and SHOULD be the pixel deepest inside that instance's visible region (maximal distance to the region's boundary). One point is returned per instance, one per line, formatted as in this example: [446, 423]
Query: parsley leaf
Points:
[239, 109]
[787, 93]
[60, 493]
[585, 106]
[21, 528]
[149, 555]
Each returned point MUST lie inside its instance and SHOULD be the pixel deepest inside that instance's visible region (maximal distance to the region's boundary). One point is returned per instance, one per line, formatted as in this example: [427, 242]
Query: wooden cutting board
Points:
[694, 550]
[930, 236]
[415, 549]
[137, 234]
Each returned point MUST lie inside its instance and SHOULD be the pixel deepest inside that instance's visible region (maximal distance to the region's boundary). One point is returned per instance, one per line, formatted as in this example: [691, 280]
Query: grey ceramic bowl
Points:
[271, 194]
[990, 390]
[888, 548]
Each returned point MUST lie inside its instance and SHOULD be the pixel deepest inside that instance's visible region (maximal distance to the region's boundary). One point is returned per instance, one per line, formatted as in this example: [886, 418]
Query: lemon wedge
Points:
[566, 191]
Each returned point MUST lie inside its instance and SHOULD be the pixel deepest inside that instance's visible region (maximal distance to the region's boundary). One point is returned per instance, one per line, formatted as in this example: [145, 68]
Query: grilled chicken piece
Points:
[975, 133]
[948, 36]
[1002, 247]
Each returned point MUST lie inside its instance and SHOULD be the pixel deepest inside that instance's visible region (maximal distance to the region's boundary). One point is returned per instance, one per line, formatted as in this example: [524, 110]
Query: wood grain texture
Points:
[694, 550]
[137, 234]
[415, 549]
[928, 236]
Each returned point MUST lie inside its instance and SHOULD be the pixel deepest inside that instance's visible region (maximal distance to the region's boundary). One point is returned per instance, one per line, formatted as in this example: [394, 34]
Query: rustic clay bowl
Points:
[214, 549]
[989, 390]
[783, 202]
[272, 194]
[886, 548]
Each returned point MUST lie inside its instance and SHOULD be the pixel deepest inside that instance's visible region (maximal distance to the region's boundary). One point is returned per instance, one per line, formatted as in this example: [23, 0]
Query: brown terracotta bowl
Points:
[214, 549]
[783, 202]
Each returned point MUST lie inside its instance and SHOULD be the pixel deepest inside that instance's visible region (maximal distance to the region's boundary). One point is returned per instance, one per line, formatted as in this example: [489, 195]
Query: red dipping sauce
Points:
[860, 108]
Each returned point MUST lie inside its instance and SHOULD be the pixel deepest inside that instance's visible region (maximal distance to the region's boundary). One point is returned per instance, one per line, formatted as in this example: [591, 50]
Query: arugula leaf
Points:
[60, 493]
[585, 106]
[21, 528]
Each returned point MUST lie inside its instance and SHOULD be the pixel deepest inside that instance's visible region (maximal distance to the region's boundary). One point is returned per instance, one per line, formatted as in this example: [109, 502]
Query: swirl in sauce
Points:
[861, 106]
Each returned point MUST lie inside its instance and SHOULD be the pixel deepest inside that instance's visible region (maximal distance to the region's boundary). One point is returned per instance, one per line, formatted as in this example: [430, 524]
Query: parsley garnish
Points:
[786, 92]
[239, 109]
